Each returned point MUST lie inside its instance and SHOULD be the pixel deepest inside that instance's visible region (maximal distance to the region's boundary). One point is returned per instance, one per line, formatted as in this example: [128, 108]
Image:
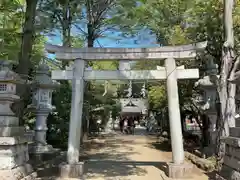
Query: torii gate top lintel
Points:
[177, 52]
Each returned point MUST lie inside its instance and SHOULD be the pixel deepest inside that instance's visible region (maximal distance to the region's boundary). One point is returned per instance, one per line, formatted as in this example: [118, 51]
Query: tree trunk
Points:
[66, 28]
[25, 56]
[90, 44]
[86, 118]
[227, 93]
[227, 90]
[90, 36]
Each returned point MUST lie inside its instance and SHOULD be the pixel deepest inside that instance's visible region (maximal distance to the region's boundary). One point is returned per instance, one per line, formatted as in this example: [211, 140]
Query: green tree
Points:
[20, 43]
[179, 22]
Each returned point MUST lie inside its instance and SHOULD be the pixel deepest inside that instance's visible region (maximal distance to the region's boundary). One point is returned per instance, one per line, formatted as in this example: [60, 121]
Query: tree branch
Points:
[79, 28]
[59, 18]
[100, 12]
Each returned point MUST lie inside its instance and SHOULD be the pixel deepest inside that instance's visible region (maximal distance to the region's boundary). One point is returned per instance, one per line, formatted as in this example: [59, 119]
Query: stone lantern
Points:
[209, 99]
[42, 106]
[13, 145]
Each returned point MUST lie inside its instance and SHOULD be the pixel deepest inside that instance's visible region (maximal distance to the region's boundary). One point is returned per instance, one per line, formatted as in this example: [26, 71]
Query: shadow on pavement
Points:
[113, 161]
[113, 168]
[108, 159]
[164, 146]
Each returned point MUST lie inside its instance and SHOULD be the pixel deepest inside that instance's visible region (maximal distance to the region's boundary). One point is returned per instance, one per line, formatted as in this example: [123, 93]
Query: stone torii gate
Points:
[78, 74]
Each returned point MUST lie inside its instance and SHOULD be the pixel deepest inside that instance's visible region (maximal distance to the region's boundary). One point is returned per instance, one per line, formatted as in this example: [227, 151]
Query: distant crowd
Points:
[127, 124]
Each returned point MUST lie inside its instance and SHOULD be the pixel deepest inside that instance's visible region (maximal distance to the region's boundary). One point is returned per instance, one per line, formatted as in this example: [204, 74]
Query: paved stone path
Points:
[127, 157]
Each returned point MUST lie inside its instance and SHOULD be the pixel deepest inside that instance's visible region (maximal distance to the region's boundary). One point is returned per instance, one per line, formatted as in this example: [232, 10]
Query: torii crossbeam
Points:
[125, 75]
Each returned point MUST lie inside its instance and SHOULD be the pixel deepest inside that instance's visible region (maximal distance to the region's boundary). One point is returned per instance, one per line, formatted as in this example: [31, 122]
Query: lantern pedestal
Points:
[40, 153]
[14, 155]
[210, 149]
[40, 150]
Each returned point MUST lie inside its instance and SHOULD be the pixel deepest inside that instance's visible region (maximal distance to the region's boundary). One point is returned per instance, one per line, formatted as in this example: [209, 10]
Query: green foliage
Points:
[11, 22]
[157, 97]
[53, 14]
[12, 14]
[58, 20]
[58, 121]
[11, 17]
[177, 22]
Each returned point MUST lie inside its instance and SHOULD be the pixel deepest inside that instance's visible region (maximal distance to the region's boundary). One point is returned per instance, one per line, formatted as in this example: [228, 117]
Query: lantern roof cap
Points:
[9, 76]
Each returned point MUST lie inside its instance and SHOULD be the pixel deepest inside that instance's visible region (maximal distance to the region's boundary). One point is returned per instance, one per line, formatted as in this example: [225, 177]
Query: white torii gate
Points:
[170, 72]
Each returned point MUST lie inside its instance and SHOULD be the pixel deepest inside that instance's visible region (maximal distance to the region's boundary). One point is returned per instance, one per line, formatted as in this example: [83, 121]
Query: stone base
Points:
[218, 177]
[40, 156]
[39, 149]
[20, 173]
[179, 170]
[208, 151]
[228, 173]
[71, 171]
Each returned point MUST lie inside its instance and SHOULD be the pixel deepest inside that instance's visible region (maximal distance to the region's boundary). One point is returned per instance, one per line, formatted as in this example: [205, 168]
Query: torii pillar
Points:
[177, 168]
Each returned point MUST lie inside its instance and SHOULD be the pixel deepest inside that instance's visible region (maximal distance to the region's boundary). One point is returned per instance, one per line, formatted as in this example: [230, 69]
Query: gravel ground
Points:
[130, 157]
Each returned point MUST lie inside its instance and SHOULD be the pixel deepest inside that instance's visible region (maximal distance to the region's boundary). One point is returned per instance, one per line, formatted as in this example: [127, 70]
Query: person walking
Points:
[131, 125]
[121, 124]
[125, 125]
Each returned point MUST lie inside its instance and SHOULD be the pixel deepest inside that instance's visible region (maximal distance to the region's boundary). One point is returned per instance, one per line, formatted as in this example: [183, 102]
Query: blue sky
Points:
[113, 39]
